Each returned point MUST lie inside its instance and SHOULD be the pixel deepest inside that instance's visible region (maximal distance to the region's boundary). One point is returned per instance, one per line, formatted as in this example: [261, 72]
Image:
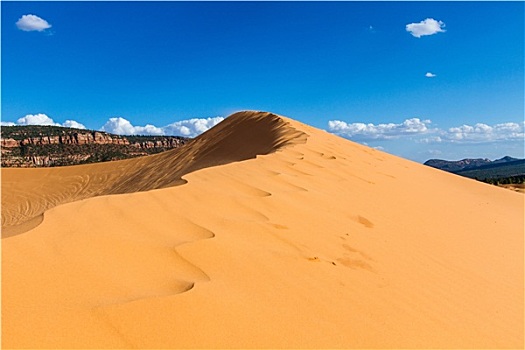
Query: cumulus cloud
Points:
[121, 126]
[43, 119]
[371, 131]
[29, 23]
[430, 75]
[192, 127]
[73, 124]
[485, 133]
[420, 131]
[427, 27]
[36, 119]
[188, 128]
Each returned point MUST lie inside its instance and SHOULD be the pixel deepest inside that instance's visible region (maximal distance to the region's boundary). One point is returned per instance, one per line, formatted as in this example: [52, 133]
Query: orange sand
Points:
[284, 236]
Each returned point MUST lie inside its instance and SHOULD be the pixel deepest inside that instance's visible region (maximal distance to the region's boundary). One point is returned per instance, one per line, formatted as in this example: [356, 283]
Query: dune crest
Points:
[323, 243]
[28, 193]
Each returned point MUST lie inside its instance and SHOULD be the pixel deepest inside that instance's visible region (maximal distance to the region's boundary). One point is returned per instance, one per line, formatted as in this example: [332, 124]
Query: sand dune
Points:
[28, 193]
[282, 236]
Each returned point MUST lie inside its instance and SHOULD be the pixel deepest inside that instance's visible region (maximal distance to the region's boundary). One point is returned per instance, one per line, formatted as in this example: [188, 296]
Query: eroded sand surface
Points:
[316, 242]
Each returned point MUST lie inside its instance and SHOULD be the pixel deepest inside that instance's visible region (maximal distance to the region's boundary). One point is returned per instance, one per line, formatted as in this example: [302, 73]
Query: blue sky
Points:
[357, 69]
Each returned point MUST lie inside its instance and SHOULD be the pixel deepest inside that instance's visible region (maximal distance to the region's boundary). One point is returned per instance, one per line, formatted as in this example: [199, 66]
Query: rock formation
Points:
[44, 146]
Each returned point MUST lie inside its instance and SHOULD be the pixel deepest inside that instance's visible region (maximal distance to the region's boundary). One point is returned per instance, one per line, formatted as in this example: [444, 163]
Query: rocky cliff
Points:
[44, 146]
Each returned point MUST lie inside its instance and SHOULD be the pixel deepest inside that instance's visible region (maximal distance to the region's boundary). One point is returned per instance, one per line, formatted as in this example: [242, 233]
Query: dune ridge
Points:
[323, 243]
[28, 193]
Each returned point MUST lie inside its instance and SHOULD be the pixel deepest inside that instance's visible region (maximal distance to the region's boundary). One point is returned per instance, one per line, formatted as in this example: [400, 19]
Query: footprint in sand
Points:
[365, 222]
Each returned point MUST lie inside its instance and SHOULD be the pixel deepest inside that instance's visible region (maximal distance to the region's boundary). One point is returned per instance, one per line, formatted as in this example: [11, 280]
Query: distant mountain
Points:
[455, 166]
[505, 159]
[483, 169]
[45, 146]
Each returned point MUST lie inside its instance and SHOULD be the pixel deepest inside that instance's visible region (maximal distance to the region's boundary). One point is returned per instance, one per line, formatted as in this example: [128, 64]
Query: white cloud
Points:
[73, 124]
[36, 119]
[485, 133]
[30, 23]
[192, 127]
[122, 126]
[43, 119]
[421, 132]
[432, 139]
[189, 128]
[380, 131]
[430, 75]
[427, 27]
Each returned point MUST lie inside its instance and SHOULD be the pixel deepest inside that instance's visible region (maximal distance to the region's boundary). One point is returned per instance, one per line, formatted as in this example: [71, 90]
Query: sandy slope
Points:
[323, 243]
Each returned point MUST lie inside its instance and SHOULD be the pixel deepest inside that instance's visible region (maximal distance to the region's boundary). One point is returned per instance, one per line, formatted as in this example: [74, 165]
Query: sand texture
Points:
[278, 235]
